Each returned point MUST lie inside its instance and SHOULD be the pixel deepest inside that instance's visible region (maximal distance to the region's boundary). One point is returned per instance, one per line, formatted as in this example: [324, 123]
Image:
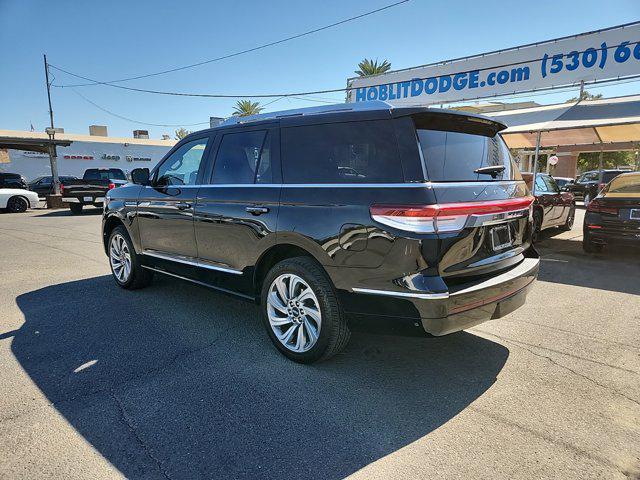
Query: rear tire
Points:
[76, 208]
[588, 246]
[125, 263]
[17, 205]
[537, 226]
[293, 289]
[568, 225]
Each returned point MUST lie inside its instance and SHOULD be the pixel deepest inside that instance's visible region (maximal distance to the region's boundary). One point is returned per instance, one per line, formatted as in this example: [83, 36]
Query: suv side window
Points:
[589, 177]
[541, 186]
[351, 152]
[182, 166]
[551, 185]
[243, 158]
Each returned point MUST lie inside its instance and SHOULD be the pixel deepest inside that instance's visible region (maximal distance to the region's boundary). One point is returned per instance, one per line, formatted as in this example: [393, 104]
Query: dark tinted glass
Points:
[238, 158]
[352, 152]
[112, 173]
[453, 156]
[116, 174]
[608, 176]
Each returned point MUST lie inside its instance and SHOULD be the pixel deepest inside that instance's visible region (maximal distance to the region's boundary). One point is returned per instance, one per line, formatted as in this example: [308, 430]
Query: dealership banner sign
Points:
[592, 57]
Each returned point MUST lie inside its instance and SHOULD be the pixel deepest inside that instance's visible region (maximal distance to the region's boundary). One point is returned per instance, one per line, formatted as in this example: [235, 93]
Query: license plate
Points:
[88, 199]
[635, 214]
[500, 237]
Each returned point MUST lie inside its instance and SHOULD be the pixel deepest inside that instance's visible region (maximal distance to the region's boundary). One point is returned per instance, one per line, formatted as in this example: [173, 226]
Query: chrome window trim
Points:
[349, 185]
[186, 261]
[389, 293]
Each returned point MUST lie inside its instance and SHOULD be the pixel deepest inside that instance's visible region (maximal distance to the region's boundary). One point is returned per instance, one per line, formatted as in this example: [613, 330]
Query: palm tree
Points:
[181, 133]
[369, 67]
[244, 108]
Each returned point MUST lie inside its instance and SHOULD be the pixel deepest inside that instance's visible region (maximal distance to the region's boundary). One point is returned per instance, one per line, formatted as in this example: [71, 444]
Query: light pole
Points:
[51, 132]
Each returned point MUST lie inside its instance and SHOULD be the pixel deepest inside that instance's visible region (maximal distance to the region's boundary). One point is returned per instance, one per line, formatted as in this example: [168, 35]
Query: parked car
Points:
[588, 184]
[613, 217]
[17, 200]
[12, 180]
[552, 207]
[563, 182]
[44, 185]
[91, 189]
[262, 207]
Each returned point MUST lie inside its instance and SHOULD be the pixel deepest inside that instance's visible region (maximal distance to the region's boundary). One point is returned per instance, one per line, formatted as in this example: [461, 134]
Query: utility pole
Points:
[51, 133]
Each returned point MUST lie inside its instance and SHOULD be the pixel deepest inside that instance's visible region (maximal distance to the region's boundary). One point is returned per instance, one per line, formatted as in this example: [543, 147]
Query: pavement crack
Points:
[569, 369]
[548, 438]
[577, 334]
[128, 421]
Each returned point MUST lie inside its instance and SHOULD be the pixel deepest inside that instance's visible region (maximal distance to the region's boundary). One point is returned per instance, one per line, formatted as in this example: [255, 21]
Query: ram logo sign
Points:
[592, 57]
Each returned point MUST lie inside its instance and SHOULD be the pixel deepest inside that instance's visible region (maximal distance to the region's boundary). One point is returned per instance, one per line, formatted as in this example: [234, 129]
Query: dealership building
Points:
[25, 152]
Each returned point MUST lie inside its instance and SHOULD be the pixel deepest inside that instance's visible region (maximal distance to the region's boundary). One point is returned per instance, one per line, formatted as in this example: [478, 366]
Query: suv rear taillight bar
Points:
[450, 217]
[597, 207]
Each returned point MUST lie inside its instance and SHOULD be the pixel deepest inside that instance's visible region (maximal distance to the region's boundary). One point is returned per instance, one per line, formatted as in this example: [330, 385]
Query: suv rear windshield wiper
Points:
[493, 170]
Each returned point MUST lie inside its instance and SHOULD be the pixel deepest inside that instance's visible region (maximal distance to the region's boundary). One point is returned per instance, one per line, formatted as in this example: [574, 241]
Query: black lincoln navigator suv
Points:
[357, 211]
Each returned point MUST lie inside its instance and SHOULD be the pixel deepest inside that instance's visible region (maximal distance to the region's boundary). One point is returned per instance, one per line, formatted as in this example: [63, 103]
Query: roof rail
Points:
[336, 107]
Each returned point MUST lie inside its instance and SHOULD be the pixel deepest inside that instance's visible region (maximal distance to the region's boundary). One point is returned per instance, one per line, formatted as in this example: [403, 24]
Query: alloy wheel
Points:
[120, 258]
[294, 313]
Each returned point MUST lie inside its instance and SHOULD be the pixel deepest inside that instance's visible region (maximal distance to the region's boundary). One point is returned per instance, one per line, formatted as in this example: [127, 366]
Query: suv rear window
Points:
[110, 174]
[453, 156]
[350, 152]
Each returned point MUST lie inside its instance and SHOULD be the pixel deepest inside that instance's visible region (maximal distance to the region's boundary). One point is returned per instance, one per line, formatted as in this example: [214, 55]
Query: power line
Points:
[135, 121]
[235, 54]
[334, 90]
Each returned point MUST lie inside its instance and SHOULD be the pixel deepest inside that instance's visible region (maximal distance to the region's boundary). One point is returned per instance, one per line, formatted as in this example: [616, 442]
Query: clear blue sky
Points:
[111, 39]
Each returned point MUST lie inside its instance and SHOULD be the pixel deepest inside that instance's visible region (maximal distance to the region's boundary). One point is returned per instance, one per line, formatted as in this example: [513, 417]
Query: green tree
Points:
[368, 67]
[181, 133]
[244, 108]
[590, 160]
[585, 96]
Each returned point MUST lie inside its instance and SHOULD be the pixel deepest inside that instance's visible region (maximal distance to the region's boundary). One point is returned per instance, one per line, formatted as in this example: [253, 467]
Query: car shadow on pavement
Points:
[67, 213]
[178, 381]
[564, 261]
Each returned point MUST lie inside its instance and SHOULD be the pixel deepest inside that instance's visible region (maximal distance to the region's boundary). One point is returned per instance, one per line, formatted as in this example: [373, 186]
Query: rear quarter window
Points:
[350, 152]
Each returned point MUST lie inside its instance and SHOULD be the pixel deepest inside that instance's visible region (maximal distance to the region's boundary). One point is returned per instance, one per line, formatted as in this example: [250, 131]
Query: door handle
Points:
[183, 205]
[257, 210]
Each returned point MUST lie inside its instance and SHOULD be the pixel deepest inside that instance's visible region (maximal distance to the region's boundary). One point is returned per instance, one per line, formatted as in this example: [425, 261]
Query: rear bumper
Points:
[81, 200]
[448, 312]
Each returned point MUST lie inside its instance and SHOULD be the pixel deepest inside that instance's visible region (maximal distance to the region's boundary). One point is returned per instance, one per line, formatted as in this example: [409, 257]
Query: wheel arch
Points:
[273, 255]
[110, 223]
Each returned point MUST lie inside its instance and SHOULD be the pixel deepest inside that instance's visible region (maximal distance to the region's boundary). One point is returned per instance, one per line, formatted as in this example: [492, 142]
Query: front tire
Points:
[125, 262]
[17, 205]
[568, 224]
[537, 226]
[301, 312]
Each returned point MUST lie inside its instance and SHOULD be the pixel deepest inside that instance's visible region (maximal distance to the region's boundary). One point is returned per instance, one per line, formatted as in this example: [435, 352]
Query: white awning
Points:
[587, 122]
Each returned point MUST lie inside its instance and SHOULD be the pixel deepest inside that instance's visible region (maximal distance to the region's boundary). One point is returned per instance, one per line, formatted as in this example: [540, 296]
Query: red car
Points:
[552, 207]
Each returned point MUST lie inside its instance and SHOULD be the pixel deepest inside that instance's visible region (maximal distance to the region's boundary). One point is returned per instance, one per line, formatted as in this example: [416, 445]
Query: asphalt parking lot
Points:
[177, 381]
